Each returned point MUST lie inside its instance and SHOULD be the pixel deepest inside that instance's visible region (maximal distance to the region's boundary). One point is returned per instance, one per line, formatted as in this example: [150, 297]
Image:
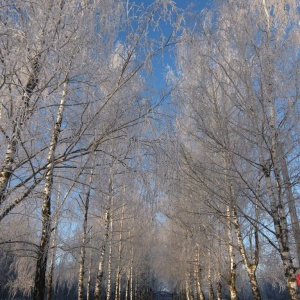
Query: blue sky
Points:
[161, 65]
[197, 6]
[200, 4]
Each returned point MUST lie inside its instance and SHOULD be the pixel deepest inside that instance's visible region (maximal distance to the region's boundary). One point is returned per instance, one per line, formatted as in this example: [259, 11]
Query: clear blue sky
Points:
[200, 4]
[159, 64]
[197, 6]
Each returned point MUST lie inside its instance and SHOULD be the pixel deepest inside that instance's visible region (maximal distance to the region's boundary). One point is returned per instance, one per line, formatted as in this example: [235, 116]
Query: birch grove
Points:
[148, 148]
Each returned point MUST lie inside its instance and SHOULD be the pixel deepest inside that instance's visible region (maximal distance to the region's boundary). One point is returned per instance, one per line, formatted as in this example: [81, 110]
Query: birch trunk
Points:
[108, 223]
[42, 255]
[219, 290]
[290, 201]
[211, 290]
[118, 271]
[51, 265]
[99, 277]
[187, 285]
[249, 266]
[111, 191]
[275, 192]
[210, 286]
[52, 260]
[136, 289]
[232, 270]
[198, 276]
[278, 214]
[131, 273]
[108, 286]
[88, 285]
[199, 287]
[281, 230]
[83, 238]
[22, 114]
[127, 286]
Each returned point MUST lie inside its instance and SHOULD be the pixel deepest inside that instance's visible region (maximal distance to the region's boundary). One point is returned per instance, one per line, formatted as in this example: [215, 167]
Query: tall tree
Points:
[242, 78]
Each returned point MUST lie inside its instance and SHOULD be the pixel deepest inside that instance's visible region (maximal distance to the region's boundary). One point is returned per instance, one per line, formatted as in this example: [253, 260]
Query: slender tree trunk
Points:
[83, 238]
[99, 277]
[82, 254]
[211, 294]
[277, 211]
[42, 255]
[219, 290]
[51, 265]
[109, 265]
[88, 286]
[199, 286]
[23, 112]
[52, 260]
[250, 267]
[281, 229]
[131, 272]
[210, 286]
[277, 205]
[108, 286]
[108, 213]
[232, 271]
[136, 289]
[187, 285]
[127, 286]
[290, 201]
[219, 268]
[198, 275]
[118, 271]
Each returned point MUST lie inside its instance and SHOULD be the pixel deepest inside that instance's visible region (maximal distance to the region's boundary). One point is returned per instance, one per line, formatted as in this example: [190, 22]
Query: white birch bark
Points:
[276, 197]
[84, 234]
[281, 229]
[109, 265]
[198, 275]
[210, 285]
[108, 224]
[249, 266]
[290, 200]
[100, 271]
[277, 211]
[131, 271]
[127, 286]
[88, 285]
[118, 271]
[136, 289]
[187, 285]
[108, 286]
[22, 114]
[42, 255]
[232, 269]
[52, 260]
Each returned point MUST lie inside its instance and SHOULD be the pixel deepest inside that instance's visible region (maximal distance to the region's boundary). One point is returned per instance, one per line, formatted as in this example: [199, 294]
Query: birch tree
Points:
[253, 109]
[72, 87]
